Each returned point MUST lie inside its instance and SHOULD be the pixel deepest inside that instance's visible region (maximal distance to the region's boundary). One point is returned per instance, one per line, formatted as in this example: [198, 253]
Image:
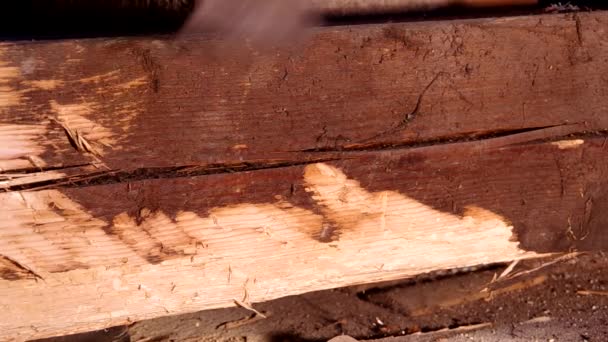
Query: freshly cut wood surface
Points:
[145, 177]
[89, 257]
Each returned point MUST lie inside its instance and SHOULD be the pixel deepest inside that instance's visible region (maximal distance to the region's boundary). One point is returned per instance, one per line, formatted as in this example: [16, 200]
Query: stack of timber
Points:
[149, 176]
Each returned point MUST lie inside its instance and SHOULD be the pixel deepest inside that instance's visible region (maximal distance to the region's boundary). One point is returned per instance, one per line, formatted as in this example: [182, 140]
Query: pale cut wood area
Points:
[151, 176]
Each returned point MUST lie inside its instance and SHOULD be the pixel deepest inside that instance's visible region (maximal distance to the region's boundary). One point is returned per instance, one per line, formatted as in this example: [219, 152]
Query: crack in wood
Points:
[579, 30]
[411, 115]
[21, 266]
[486, 140]
[31, 170]
[523, 135]
[106, 177]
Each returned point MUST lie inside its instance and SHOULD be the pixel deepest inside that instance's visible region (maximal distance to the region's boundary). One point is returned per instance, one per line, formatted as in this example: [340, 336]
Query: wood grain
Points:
[104, 255]
[143, 177]
[160, 102]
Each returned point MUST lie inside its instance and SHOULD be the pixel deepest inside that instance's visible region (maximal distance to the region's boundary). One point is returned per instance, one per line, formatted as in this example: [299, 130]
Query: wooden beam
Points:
[142, 102]
[146, 177]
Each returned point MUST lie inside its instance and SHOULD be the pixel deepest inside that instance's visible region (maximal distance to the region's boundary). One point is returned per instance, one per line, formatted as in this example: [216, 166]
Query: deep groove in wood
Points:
[461, 138]
[121, 176]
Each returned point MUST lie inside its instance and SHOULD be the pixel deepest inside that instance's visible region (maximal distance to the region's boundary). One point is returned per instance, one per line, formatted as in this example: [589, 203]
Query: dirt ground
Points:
[566, 300]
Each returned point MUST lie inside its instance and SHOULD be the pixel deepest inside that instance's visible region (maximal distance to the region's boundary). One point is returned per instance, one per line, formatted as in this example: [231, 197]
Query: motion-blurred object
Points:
[265, 20]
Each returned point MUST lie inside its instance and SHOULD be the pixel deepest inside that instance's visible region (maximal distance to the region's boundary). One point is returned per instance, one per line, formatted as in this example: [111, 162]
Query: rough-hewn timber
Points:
[145, 177]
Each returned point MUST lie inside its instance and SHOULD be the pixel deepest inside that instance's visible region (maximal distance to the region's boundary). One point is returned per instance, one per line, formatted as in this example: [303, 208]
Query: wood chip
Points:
[460, 329]
[509, 269]
[254, 317]
[540, 319]
[592, 293]
[248, 307]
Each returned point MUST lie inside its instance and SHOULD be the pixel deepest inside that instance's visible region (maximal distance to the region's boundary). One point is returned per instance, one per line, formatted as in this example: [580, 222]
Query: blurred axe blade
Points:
[261, 22]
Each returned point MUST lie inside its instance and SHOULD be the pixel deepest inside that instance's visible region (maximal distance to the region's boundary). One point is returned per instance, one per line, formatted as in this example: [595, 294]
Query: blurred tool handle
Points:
[277, 21]
[262, 21]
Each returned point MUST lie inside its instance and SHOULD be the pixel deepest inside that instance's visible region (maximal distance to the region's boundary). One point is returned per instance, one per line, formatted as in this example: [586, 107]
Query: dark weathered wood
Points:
[148, 177]
[143, 102]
